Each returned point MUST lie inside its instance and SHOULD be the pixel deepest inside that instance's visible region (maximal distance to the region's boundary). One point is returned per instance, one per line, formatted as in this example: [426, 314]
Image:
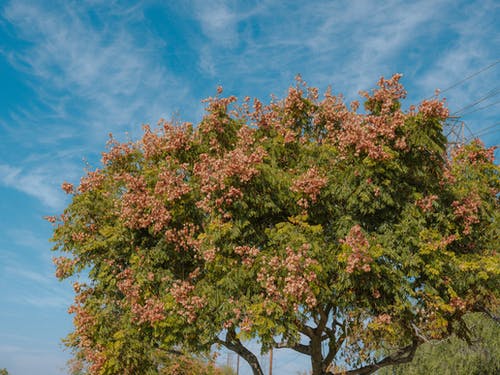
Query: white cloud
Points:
[91, 76]
[218, 21]
[348, 43]
[36, 183]
[104, 73]
[474, 48]
[35, 288]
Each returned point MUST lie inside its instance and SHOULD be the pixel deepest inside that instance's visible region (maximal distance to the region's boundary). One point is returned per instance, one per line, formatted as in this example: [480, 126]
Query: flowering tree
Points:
[305, 224]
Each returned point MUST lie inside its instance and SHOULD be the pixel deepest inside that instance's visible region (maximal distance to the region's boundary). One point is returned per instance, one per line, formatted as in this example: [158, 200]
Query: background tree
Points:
[456, 357]
[4, 371]
[304, 224]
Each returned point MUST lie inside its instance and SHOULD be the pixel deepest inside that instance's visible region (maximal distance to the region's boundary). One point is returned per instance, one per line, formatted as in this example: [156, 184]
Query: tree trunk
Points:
[316, 356]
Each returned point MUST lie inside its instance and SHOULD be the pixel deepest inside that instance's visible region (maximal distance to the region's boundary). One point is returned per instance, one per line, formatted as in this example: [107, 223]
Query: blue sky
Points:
[73, 71]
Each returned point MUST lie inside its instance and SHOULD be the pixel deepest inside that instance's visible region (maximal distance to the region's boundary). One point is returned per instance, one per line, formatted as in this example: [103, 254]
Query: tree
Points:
[456, 357]
[4, 371]
[305, 224]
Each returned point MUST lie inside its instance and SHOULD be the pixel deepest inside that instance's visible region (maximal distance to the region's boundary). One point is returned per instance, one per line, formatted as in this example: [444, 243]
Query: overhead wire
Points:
[452, 86]
[492, 93]
[489, 129]
[462, 111]
[480, 108]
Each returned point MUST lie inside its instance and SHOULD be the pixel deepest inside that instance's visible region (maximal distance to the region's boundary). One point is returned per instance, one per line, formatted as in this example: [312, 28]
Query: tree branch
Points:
[484, 310]
[403, 355]
[233, 343]
[306, 330]
[322, 321]
[333, 348]
[301, 348]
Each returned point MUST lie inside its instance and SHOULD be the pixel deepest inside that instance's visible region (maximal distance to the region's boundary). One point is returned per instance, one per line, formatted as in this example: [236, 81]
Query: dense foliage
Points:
[305, 223]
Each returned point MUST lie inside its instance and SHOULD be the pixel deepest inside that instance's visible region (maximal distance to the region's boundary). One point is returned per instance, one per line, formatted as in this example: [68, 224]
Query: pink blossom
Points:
[468, 211]
[68, 188]
[310, 183]
[359, 245]
[434, 108]
[426, 203]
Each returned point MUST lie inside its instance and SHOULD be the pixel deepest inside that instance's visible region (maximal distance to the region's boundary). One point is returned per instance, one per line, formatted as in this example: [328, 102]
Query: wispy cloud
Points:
[475, 46]
[111, 77]
[218, 21]
[348, 43]
[35, 288]
[36, 183]
[91, 75]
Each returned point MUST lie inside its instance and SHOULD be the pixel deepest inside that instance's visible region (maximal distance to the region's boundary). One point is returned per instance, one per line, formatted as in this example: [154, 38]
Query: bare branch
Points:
[306, 330]
[301, 348]
[333, 348]
[488, 313]
[233, 343]
[403, 355]
[418, 333]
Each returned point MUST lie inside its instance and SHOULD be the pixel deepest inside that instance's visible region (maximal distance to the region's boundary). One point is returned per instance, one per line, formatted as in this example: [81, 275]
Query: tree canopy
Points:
[306, 223]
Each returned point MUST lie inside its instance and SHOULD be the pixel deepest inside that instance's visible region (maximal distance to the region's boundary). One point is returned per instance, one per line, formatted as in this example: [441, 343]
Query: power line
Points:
[468, 77]
[490, 94]
[489, 129]
[481, 108]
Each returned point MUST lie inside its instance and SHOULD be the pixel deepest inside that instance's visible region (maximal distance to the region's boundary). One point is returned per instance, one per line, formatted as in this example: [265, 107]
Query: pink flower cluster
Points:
[294, 285]
[213, 172]
[183, 238]
[171, 138]
[127, 285]
[434, 108]
[117, 151]
[51, 219]
[139, 208]
[370, 134]
[310, 183]
[383, 319]
[209, 255]
[246, 324]
[152, 311]
[388, 92]
[84, 322]
[182, 291]
[171, 183]
[92, 181]
[458, 303]
[475, 153]
[216, 118]
[247, 254]
[68, 188]
[425, 203]
[64, 266]
[359, 245]
[468, 211]
[236, 314]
